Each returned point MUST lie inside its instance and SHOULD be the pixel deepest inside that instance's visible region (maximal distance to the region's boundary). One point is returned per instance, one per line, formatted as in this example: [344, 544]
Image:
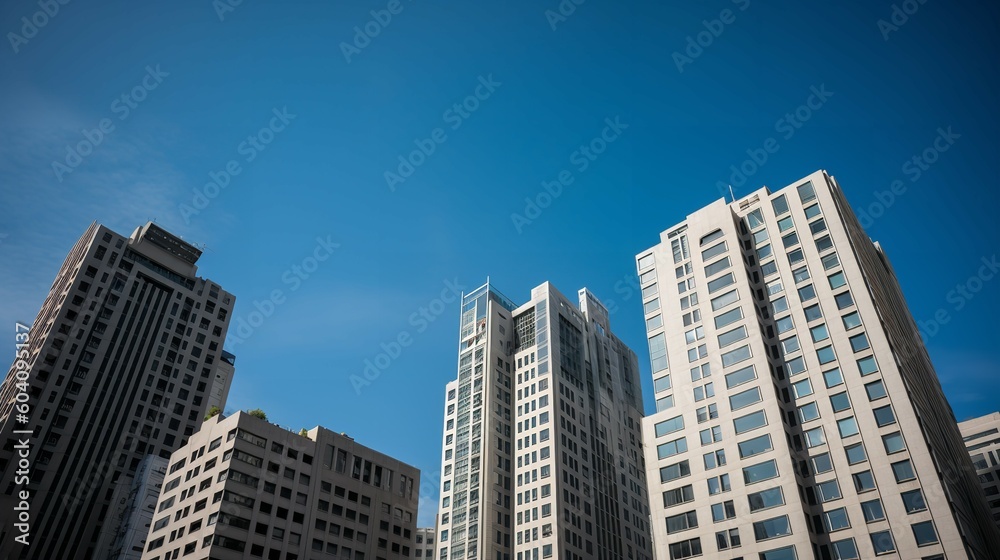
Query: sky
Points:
[349, 167]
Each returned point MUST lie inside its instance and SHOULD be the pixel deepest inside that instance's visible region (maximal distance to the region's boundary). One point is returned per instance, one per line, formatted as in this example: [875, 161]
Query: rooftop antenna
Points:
[731, 195]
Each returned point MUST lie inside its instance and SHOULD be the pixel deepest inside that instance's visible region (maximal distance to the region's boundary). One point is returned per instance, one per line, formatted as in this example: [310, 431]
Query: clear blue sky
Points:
[196, 87]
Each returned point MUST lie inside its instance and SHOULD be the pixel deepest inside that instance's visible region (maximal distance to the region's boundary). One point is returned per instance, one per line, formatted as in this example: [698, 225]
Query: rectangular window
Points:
[749, 422]
[732, 337]
[740, 376]
[790, 240]
[828, 491]
[867, 366]
[677, 496]
[736, 356]
[806, 192]
[725, 299]
[766, 499]
[682, 522]
[772, 528]
[675, 471]
[884, 416]
[852, 320]
[860, 342]
[717, 267]
[745, 399]
[836, 520]
[670, 426]
[713, 251]
[830, 261]
[815, 437]
[780, 205]
[671, 448]
[760, 472]
[826, 355]
[903, 471]
[848, 427]
[893, 443]
[729, 317]
[755, 446]
[833, 378]
[685, 549]
[721, 282]
[873, 511]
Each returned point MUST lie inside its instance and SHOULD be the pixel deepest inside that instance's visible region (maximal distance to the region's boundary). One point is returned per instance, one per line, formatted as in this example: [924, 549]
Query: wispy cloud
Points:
[126, 181]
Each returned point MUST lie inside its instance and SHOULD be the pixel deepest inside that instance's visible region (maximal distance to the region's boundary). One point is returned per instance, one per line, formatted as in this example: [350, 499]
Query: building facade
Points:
[982, 440]
[117, 366]
[245, 488]
[542, 452]
[423, 545]
[123, 536]
[797, 412]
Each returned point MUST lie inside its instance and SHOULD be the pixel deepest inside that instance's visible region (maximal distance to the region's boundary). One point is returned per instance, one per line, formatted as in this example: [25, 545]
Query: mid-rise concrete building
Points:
[117, 365]
[245, 488]
[982, 440]
[797, 412]
[542, 449]
[423, 545]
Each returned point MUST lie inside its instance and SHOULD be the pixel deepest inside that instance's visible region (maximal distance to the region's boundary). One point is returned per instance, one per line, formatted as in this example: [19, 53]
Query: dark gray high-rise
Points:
[123, 361]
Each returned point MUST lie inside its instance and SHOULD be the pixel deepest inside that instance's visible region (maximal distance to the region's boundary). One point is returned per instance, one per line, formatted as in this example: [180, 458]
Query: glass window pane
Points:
[819, 333]
[876, 390]
[867, 365]
[780, 205]
[840, 401]
[882, 542]
[833, 377]
[903, 471]
[924, 533]
[855, 454]
[745, 399]
[749, 422]
[893, 442]
[826, 355]
[806, 192]
[884, 416]
[830, 261]
[873, 511]
[859, 342]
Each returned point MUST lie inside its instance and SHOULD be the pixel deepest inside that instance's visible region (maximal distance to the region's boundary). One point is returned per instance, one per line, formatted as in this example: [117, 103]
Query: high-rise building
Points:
[797, 412]
[982, 440]
[117, 365]
[123, 536]
[542, 445]
[243, 488]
